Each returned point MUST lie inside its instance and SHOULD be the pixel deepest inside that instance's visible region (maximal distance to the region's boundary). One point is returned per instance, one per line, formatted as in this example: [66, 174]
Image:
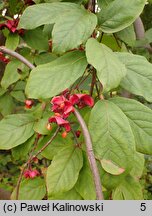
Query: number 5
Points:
[143, 207]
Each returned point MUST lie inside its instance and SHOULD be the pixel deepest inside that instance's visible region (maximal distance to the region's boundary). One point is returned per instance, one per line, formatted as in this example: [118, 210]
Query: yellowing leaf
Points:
[111, 167]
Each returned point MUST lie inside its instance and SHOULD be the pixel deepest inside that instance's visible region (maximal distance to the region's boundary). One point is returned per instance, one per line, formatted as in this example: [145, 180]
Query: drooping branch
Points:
[87, 137]
[91, 5]
[17, 56]
[140, 33]
[91, 157]
[31, 159]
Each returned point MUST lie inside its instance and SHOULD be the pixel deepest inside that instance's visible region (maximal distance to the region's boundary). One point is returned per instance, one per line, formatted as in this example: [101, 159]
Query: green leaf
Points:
[18, 95]
[11, 74]
[139, 75]
[41, 125]
[20, 85]
[140, 119]
[104, 3]
[44, 58]
[56, 146]
[57, 75]
[111, 134]
[111, 167]
[85, 184]
[31, 189]
[7, 104]
[36, 39]
[110, 70]
[129, 189]
[47, 30]
[12, 41]
[110, 41]
[2, 91]
[69, 195]
[46, 13]
[69, 33]
[110, 181]
[148, 35]
[15, 129]
[120, 14]
[128, 35]
[63, 172]
[138, 167]
[20, 152]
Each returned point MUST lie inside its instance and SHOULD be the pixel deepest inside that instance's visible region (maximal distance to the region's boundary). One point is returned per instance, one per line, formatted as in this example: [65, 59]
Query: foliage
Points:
[85, 57]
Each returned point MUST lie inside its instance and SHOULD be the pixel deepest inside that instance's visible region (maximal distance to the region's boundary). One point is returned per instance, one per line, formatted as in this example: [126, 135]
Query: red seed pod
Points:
[78, 133]
[49, 127]
[64, 134]
[39, 135]
[36, 160]
[29, 103]
[29, 173]
[57, 114]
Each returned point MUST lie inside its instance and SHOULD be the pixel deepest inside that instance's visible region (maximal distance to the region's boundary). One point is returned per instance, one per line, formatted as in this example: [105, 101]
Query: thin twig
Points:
[93, 81]
[33, 149]
[101, 37]
[17, 56]
[97, 90]
[48, 143]
[31, 158]
[19, 181]
[75, 137]
[91, 157]
[116, 39]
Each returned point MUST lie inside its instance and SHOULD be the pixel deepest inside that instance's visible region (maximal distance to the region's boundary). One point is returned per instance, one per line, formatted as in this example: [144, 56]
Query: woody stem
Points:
[91, 157]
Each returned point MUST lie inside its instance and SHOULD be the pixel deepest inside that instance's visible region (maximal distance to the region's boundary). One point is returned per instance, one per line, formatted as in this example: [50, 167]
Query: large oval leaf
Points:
[69, 195]
[128, 35]
[129, 189]
[138, 168]
[31, 189]
[68, 33]
[140, 119]
[63, 172]
[11, 74]
[111, 134]
[15, 130]
[36, 39]
[50, 79]
[85, 178]
[120, 14]
[46, 13]
[22, 151]
[57, 145]
[73, 24]
[110, 70]
[7, 104]
[139, 75]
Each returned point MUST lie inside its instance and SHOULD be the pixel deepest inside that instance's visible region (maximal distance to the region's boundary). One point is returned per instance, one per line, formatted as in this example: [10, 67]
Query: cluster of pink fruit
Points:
[62, 106]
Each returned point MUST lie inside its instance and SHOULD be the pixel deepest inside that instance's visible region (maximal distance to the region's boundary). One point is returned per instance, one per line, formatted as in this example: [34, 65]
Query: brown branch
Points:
[17, 56]
[91, 5]
[140, 33]
[31, 158]
[91, 157]
[117, 41]
[48, 143]
[93, 82]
